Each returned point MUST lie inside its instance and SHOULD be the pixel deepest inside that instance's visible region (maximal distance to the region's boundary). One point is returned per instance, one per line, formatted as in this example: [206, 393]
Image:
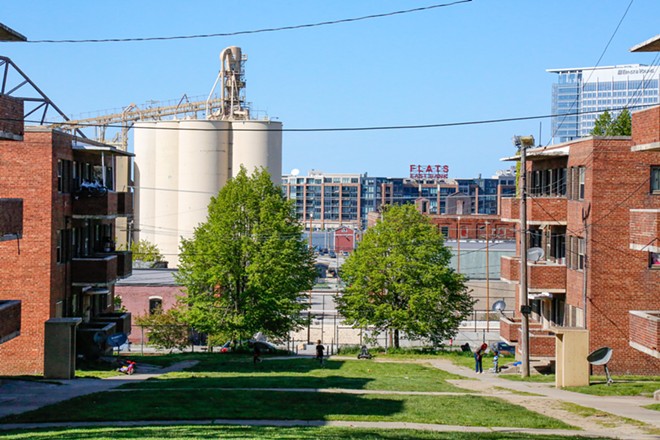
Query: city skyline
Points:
[473, 61]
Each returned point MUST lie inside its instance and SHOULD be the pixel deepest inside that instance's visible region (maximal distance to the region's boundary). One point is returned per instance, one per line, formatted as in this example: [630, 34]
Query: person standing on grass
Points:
[319, 351]
[496, 361]
[478, 358]
[256, 355]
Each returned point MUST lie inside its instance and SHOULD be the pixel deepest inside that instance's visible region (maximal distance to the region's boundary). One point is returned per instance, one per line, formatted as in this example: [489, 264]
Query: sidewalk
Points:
[18, 396]
[623, 406]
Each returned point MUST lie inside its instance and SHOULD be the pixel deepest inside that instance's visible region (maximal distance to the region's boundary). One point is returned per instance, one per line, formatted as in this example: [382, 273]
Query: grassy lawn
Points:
[624, 386]
[206, 432]
[193, 395]
[195, 404]
[230, 372]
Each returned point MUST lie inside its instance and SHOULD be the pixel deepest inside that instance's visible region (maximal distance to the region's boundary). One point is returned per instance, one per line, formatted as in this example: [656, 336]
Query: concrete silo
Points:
[257, 144]
[182, 164]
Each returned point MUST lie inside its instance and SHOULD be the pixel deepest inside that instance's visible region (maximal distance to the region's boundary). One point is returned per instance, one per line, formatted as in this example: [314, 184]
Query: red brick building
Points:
[11, 229]
[593, 210]
[67, 266]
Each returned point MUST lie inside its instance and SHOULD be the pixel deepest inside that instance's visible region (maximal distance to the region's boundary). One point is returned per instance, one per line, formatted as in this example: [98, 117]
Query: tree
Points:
[165, 329]
[399, 279]
[245, 267]
[146, 252]
[620, 126]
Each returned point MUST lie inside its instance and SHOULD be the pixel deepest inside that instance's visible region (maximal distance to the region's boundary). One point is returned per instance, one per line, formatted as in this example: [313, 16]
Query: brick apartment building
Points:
[66, 268]
[594, 210]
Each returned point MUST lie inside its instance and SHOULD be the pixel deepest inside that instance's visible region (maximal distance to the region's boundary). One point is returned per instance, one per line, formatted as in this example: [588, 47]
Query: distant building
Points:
[589, 91]
[329, 201]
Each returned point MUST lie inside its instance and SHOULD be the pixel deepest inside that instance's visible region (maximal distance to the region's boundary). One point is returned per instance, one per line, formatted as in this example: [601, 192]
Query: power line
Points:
[339, 129]
[256, 31]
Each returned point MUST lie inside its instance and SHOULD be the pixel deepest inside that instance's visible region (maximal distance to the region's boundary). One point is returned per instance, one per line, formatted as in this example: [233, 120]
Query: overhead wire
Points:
[254, 31]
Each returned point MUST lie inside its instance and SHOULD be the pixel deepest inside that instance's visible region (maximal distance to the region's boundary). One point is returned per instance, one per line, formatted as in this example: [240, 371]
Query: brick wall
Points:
[510, 329]
[646, 126]
[11, 118]
[136, 301]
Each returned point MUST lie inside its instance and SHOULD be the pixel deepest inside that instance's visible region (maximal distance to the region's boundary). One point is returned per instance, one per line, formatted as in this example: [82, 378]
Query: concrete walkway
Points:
[18, 396]
[622, 406]
[22, 396]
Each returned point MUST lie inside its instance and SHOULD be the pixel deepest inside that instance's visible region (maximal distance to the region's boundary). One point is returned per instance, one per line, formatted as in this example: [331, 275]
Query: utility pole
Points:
[523, 142]
[458, 242]
[487, 281]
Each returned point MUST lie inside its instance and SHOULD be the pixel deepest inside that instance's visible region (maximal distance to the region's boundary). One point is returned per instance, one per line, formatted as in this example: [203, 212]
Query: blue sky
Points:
[485, 59]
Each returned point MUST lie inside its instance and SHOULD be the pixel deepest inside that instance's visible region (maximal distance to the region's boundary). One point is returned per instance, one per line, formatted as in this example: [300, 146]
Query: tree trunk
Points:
[396, 338]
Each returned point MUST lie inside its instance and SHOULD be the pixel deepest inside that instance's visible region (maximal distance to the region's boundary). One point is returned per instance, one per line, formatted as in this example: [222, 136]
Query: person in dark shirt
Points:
[319, 351]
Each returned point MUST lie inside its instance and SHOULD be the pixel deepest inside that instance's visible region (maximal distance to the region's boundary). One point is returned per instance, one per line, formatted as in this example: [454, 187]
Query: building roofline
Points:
[618, 66]
[650, 45]
[8, 34]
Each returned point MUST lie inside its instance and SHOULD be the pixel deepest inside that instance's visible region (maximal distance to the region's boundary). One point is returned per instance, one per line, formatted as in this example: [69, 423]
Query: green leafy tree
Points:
[165, 329]
[146, 251]
[245, 267]
[622, 125]
[399, 279]
[606, 126]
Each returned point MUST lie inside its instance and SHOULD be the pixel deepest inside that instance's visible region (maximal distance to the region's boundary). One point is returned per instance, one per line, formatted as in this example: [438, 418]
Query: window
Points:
[581, 176]
[655, 180]
[581, 254]
[654, 260]
[59, 249]
[155, 304]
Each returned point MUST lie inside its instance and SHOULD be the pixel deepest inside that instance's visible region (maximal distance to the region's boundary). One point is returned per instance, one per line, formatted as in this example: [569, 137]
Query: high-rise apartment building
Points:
[581, 94]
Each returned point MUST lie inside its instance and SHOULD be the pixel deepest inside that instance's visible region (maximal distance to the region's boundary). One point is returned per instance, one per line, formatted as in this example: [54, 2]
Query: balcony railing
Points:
[10, 320]
[510, 208]
[510, 268]
[124, 262]
[95, 205]
[546, 275]
[97, 270]
[125, 204]
[547, 209]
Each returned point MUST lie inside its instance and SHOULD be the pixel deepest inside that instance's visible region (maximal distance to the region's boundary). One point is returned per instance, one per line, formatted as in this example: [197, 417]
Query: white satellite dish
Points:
[499, 306]
[535, 253]
[295, 172]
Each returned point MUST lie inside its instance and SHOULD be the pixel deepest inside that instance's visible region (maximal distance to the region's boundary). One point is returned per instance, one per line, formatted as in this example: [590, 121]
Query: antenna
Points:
[535, 254]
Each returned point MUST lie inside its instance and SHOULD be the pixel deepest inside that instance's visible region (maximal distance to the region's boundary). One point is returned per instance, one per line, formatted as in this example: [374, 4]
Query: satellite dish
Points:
[295, 172]
[535, 253]
[602, 357]
[499, 306]
[117, 340]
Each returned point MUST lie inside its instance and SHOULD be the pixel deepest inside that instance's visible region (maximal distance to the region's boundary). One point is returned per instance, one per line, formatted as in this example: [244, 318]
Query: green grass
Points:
[207, 432]
[202, 404]
[230, 372]
[653, 406]
[536, 378]
[622, 386]
[603, 418]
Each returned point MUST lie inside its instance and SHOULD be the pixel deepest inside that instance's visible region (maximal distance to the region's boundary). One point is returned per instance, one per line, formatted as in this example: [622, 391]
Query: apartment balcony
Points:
[97, 270]
[101, 204]
[645, 331]
[124, 262]
[125, 204]
[11, 219]
[546, 275]
[510, 209]
[122, 321]
[10, 320]
[510, 268]
[551, 210]
[645, 230]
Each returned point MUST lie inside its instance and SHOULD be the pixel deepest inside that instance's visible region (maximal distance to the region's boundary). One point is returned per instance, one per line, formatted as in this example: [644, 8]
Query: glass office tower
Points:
[580, 95]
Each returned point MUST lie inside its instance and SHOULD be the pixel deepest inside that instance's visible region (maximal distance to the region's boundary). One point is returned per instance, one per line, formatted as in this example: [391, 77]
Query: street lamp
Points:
[524, 142]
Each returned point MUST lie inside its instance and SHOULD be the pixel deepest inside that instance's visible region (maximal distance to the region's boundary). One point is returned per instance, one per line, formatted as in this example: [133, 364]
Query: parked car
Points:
[332, 254]
[264, 347]
[504, 348]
